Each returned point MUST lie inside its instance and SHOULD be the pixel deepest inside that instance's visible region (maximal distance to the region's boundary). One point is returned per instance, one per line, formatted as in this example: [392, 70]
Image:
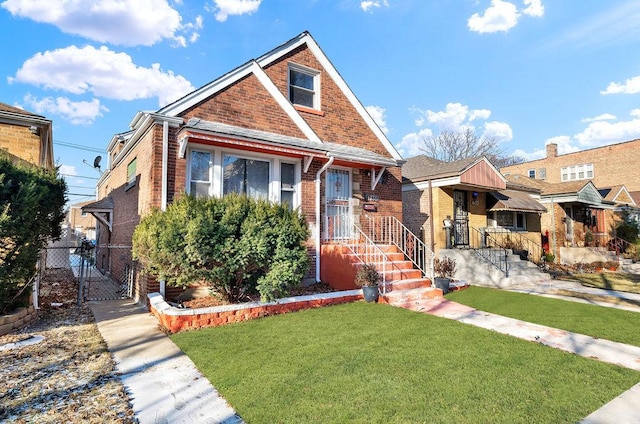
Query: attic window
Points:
[304, 86]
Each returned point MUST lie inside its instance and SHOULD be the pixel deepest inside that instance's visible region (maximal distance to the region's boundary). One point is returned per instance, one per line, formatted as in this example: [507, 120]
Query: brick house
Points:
[579, 215]
[607, 166]
[460, 203]
[82, 224]
[26, 135]
[287, 123]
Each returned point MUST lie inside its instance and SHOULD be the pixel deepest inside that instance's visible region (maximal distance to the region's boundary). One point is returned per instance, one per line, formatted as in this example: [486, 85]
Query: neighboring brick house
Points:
[287, 120]
[26, 135]
[578, 214]
[454, 204]
[82, 223]
[607, 166]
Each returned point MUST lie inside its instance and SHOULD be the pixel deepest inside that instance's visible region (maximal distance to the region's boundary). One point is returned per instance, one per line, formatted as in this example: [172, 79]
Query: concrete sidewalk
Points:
[163, 383]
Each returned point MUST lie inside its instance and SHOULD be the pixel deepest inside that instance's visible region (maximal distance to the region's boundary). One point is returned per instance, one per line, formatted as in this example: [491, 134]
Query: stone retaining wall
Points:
[17, 319]
[175, 319]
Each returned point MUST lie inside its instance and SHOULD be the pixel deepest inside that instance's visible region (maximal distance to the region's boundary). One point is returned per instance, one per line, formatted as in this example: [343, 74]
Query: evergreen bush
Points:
[31, 213]
[234, 244]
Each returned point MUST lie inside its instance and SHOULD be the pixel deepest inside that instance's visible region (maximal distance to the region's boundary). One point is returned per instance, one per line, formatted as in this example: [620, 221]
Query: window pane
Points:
[257, 179]
[287, 175]
[199, 189]
[301, 97]
[520, 220]
[287, 197]
[300, 79]
[131, 171]
[234, 175]
[200, 166]
[504, 218]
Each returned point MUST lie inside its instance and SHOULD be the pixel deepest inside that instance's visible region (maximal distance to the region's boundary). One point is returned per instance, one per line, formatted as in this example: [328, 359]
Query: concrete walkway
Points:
[163, 383]
[166, 387]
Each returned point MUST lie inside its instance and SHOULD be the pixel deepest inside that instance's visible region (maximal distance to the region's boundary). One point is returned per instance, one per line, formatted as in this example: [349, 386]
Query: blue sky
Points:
[526, 72]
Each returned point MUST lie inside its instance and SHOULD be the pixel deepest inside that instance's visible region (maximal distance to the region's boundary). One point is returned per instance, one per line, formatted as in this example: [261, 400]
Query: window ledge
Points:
[129, 186]
[309, 110]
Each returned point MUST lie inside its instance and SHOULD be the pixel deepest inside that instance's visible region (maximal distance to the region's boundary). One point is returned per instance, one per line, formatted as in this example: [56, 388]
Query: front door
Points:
[338, 204]
[460, 218]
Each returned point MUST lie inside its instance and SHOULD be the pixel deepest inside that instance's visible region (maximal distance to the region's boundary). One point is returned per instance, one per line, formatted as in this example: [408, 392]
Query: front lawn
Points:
[621, 281]
[374, 363]
[596, 321]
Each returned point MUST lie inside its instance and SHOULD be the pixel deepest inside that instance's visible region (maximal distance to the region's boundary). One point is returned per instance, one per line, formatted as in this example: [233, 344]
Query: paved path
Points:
[163, 383]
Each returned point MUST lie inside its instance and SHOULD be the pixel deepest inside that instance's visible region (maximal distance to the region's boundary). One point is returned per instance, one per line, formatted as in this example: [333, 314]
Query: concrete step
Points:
[408, 284]
[402, 274]
[404, 298]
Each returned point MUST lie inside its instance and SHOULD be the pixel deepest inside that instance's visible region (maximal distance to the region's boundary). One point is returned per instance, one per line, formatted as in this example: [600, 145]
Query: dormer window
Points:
[304, 86]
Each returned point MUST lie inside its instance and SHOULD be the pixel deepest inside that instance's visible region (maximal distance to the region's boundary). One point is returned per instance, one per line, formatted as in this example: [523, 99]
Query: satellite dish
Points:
[96, 162]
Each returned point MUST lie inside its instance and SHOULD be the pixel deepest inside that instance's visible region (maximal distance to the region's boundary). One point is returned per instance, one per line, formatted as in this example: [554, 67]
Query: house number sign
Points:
[371, 198]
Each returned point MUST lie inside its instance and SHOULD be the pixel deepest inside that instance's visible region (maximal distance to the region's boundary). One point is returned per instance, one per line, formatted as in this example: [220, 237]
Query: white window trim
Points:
[216, 171]
[314, 73]
[515, 221]
[566, 172]
[531, 171]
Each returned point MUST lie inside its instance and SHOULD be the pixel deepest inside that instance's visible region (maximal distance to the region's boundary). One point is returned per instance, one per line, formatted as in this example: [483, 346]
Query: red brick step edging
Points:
[175, 319]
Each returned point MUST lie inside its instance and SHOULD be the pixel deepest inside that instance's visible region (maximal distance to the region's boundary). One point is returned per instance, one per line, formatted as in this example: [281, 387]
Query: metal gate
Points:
[460, 218]
[93, 283]
[338, 223]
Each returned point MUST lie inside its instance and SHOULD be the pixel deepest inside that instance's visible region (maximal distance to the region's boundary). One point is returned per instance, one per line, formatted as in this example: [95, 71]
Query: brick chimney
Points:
[552, 150]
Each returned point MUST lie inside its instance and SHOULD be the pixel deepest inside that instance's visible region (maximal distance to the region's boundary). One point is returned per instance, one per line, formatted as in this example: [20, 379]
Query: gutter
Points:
[165, 165]
[317, 229]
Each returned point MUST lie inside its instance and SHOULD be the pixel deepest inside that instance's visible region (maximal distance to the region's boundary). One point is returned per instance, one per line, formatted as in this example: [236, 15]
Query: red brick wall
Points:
[612, 165]
[339, 121]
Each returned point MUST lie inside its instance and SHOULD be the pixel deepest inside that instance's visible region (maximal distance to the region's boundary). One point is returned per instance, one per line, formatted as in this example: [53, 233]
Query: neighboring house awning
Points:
[217, 133]
[102, 210]
[477, 172]
[512, 200]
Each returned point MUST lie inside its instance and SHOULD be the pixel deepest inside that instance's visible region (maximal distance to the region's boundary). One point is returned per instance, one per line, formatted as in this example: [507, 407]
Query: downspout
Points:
[317, 234]
[165, 164]
[164, 182]
[433, 233]
[553, 227]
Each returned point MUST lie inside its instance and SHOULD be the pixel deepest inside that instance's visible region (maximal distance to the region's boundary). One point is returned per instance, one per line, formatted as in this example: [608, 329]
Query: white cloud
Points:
[81, 112]
[102, 72]
[534, 8]
[68, 170]
[500, 16]
[598, 133]
[455, 117]
[378, 115]
[499, 131]
[503, 15]
[369, 5]
[603, 117]
[410, 144]
[225, 8]
[527, 156]
[123, 22]
[630, 86]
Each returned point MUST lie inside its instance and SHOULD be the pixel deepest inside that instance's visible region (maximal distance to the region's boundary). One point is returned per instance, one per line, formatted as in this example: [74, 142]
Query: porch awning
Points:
[102, 210]
[513, 200]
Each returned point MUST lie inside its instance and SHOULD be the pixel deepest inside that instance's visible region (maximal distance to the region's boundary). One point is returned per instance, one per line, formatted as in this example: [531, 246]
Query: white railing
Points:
[359, 244]
[389, 230]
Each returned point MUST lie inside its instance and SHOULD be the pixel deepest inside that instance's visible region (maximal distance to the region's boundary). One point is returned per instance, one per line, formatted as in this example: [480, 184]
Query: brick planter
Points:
[175, 320]
[17, 319]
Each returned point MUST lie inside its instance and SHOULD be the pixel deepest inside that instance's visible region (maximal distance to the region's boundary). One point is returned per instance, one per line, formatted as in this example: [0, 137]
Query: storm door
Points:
[338, 204]
[460, 218]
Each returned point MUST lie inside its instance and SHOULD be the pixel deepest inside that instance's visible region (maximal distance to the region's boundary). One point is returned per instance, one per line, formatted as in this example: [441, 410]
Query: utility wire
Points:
[80, 176]
[79, 147]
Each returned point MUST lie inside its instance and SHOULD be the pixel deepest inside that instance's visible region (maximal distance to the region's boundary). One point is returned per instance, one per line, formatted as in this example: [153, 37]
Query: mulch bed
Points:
[69, 376]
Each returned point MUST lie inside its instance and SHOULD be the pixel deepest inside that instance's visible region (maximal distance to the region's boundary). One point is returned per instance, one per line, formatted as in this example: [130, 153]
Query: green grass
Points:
[620, 281]
[373, 363]
[596, 321]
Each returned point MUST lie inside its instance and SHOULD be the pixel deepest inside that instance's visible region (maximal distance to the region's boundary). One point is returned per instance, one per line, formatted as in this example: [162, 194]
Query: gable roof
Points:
[617, 194]
[256, 67]
[474, 171]
[583, 191]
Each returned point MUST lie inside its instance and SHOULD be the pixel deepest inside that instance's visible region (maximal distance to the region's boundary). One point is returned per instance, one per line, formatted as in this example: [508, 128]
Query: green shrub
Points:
[31, 212]
[234, 244]
[628, 232]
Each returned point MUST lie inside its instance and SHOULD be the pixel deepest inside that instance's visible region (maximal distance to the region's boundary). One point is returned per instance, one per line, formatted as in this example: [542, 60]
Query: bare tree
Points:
[451, 145]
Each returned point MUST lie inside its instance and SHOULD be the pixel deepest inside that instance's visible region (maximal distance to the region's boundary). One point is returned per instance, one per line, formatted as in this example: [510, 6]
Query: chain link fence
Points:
[100, 277]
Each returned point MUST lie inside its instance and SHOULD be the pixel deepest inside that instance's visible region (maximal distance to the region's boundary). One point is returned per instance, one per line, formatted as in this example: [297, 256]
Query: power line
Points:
[80, 176]
[81, 194]
[79, 147]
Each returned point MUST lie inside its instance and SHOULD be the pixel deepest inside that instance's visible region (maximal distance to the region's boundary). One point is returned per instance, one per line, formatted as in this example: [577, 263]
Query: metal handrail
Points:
[516, 241]
[618, 245]
[389, 230]
[360, 245]
[488, 248]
